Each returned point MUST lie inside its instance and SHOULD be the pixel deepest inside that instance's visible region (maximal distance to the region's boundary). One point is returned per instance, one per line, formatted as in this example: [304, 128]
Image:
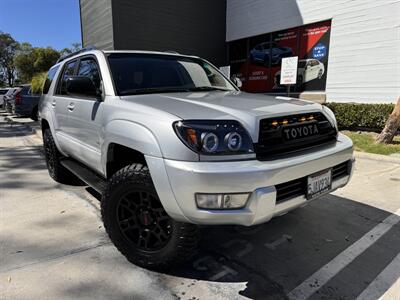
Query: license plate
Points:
[319, 183]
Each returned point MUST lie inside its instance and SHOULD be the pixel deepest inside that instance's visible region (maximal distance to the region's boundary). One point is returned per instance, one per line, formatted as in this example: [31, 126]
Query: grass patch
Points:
[365, 142]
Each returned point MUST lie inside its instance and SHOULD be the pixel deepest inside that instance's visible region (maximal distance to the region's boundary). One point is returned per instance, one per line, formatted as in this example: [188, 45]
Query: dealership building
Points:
[348, 50]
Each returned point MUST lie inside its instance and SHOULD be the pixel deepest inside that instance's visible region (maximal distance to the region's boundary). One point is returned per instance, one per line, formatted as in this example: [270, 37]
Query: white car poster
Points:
[289, 70]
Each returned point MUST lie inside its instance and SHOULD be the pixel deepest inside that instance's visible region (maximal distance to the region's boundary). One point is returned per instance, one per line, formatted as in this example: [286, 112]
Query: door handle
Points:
[53, 104]
[71, 106]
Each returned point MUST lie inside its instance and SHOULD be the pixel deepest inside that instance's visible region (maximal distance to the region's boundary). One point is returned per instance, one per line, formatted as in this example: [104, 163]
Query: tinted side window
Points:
[88, 68]
[67, 72]
[2, 92]
[25, 90]
[49, 79]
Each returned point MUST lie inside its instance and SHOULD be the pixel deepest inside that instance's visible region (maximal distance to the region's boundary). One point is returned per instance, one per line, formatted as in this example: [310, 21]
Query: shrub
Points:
[37, 82]
[355, 116]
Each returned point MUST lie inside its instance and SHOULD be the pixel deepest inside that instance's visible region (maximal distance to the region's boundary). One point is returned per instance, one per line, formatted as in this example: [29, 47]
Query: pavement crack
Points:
[368, 218]
[55, 257]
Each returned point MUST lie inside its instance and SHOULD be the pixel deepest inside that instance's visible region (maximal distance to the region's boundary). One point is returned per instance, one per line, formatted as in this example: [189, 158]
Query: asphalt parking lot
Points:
[52, 243]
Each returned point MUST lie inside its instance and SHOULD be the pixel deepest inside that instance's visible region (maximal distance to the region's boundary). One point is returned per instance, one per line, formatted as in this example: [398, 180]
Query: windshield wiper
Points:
[208, 88]
[152, 91]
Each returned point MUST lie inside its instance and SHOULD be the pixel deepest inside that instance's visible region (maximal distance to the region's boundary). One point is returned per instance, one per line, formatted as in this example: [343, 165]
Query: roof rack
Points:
[87, 48]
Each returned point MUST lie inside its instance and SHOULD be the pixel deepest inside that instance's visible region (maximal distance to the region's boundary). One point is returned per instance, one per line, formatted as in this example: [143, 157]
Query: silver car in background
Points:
[3, 91]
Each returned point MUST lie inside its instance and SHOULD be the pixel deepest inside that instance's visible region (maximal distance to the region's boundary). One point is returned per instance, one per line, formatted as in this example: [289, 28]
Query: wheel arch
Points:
[46, 123]
[119, 156]
[128, 138]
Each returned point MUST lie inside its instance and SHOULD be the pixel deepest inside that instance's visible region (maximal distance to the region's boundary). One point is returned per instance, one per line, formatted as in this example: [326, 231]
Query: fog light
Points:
[221, 201]
[234, 200]
[211, 201]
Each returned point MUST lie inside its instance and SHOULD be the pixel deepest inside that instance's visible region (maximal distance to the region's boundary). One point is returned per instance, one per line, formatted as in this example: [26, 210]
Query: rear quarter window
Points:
[25, 90]
[49, 79]
[2, 92]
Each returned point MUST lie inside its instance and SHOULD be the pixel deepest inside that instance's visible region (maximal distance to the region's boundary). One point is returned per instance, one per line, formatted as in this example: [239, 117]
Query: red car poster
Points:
[257, 60]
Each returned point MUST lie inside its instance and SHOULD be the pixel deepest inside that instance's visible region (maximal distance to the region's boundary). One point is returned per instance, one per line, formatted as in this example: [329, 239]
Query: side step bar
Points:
[85, 174]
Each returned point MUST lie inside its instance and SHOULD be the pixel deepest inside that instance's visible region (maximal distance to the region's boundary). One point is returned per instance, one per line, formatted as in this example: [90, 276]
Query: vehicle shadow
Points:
[275, 257]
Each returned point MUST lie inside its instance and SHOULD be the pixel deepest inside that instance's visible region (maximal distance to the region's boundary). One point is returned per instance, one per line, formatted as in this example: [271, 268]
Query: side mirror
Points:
[83, 86]
[237, 82]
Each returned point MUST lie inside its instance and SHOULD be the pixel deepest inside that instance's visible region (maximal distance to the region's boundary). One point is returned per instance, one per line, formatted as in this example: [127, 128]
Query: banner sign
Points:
[257, 60]
[289, 70]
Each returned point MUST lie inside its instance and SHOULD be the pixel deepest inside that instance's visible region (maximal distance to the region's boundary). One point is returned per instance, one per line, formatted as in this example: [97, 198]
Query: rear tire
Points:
[56, 170]
[138, 225]
[34, 114]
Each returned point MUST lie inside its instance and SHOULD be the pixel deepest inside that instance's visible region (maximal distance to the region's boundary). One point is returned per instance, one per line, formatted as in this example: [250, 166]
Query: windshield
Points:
[151, 73]
[302, 63]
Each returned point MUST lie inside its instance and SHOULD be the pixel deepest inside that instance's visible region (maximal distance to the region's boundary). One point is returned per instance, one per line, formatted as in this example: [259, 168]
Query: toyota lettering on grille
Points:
[302, 131]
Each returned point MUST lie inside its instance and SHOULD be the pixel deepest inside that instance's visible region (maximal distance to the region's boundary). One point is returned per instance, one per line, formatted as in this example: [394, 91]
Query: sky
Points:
[54, 23]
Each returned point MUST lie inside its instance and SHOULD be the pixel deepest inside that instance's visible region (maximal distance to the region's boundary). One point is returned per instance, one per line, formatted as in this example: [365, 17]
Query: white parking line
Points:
[383, 282]
[327, 272]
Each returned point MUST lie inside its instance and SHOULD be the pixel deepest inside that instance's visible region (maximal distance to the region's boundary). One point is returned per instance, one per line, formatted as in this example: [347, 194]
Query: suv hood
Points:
[247, 108]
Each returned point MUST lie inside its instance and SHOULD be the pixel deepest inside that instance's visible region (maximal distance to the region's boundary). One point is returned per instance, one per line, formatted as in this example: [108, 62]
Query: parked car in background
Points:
[265, 52]
[308, 69]
[2, 93]
[25, 104]
[8, 98]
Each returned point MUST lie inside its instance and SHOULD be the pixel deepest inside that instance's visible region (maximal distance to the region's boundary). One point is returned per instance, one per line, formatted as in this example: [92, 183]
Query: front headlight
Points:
[214, 137]
[330, 115]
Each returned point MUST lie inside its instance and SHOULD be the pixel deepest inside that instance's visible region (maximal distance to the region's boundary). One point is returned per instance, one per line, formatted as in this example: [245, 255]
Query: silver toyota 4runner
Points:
[170, 143]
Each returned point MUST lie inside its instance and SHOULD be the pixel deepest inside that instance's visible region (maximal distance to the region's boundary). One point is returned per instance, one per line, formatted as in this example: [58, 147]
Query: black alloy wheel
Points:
[143, 221]
[138, 224]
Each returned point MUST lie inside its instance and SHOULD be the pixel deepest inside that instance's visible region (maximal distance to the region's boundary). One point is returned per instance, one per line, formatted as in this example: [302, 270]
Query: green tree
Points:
[45, 58]
[24, 62]
[32, 60]
[38, 82]
[8, 48]
[74, 47]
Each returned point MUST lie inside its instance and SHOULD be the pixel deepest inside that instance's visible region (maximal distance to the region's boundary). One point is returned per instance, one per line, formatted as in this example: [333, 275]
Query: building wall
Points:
[96, 23]
[186, 26]
[364, 58]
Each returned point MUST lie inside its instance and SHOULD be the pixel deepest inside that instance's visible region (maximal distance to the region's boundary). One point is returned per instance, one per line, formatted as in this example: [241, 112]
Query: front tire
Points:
[138, 225]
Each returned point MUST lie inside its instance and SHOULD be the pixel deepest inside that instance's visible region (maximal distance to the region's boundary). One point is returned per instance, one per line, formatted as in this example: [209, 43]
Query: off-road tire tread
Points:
[61, 174]
[185, 236]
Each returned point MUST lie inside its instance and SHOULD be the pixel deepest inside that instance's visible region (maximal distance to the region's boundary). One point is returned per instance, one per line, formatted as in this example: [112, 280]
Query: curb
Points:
[12, 122]
[377, 157]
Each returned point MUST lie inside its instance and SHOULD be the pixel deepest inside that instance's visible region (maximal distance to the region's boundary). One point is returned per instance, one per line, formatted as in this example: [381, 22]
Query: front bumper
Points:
[177, 182]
